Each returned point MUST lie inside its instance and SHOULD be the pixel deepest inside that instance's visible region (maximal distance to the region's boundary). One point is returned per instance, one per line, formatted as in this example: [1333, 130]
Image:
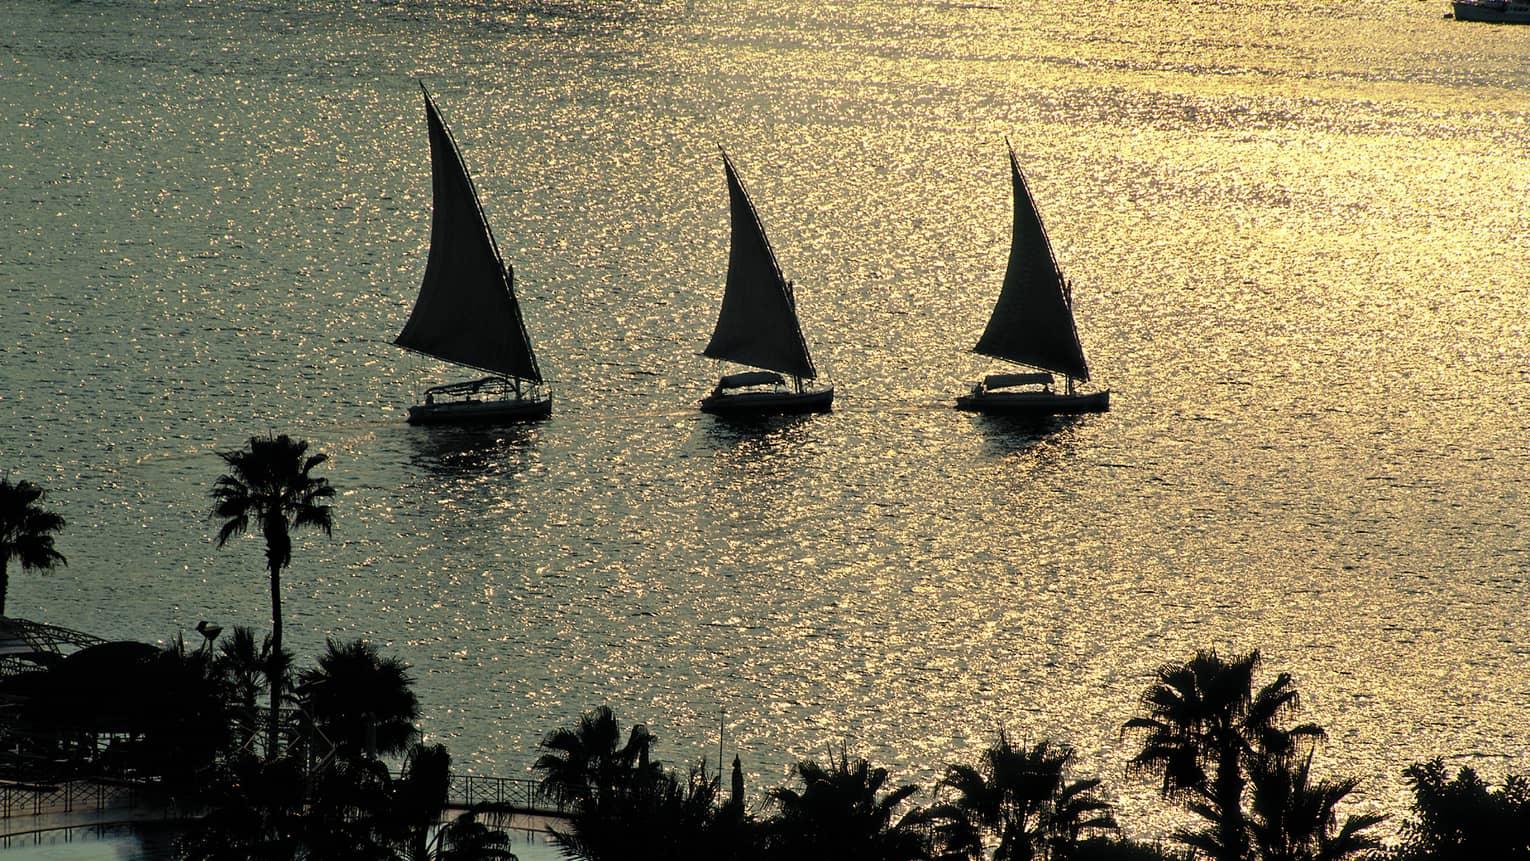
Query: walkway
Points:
[29, 808]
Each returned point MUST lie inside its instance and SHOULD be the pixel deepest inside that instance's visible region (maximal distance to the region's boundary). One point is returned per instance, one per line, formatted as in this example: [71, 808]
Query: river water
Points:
[1298, 237]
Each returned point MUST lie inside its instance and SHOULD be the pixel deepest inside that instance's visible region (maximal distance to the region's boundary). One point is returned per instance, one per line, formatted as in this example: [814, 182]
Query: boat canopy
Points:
[757, 325]
[1032, 323]
[466, 312]
[751, 378]
[471, 387]
[1004, 381]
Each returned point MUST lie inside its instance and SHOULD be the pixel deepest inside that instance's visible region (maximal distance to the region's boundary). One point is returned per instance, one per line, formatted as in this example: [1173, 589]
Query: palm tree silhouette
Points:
[654, 815]
[419, 797]
[1023, 797]
[1292, 819]
[269, 481]
[360, 701]
[1205, 728]
[467, 839]
[623, 805]
[25, 531]
[419, 800]
[255, 811]
[584, 764]
[345, 809]
[247, 671]
[842, 812]
[1464, 817]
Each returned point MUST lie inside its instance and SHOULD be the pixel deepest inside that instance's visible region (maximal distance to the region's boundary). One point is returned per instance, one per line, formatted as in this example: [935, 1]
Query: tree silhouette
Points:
[362, 702]
[623, 805]
[270, 483]
[247, 671]
[1021, 796]
[584, 763]
[419, 795]
[1204, 728]
[256, 810]
[1293, 819]
[352, 813]
[467, 839]
[1463, 818]
[652, 815]
[25, 531]
[842, 812]
[345, 809]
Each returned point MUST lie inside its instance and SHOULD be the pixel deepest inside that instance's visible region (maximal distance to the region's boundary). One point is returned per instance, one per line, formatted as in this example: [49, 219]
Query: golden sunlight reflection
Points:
[1294, 232]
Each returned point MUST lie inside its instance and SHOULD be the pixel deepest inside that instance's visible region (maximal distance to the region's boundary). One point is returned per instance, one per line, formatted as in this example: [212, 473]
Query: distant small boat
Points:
[466, 313]
[1492, 11]
[757, 326]
[1032, 324]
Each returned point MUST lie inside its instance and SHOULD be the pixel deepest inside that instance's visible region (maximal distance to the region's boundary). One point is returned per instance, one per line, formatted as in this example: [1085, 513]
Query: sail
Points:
[466, 312]
[1032, 322]
[757, 325]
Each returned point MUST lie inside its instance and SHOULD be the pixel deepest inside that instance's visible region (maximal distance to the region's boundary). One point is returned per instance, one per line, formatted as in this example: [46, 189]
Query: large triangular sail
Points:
[757, 325]
[466, 312]
[1032, 323]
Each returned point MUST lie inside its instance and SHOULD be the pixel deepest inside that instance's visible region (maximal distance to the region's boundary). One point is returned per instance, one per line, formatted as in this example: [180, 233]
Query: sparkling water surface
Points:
[1298, 237]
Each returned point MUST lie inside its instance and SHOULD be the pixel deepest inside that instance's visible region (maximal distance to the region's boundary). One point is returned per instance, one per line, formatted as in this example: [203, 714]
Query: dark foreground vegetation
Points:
[268, 761]
[1214, 743]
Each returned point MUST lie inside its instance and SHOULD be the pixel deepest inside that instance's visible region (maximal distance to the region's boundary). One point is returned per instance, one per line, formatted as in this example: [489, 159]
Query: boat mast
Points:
[1067, 285]
[515, 379]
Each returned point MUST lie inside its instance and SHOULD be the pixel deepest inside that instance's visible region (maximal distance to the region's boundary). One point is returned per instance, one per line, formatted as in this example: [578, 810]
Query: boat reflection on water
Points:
[753, 435]
[1042, 435]
[474, 451]
[460, 472]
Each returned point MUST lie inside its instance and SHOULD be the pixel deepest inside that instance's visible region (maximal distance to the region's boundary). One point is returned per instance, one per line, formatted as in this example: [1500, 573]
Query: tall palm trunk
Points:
[278, 547]
[274, 736]
[5, 581]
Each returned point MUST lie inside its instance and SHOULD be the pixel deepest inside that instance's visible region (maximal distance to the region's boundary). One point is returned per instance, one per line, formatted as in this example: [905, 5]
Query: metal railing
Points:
[77, 796]
[87, 795]
[508, 794]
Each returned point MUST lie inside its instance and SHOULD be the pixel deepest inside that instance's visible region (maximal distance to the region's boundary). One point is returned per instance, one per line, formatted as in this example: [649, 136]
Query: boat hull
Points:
[481, 412]
[1033, 403]
[1492, 12]
[768, 403]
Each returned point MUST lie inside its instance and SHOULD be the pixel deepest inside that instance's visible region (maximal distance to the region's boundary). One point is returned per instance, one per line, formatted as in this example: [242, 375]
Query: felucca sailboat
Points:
[1032, 324]
[758, 327]
[466, 313]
